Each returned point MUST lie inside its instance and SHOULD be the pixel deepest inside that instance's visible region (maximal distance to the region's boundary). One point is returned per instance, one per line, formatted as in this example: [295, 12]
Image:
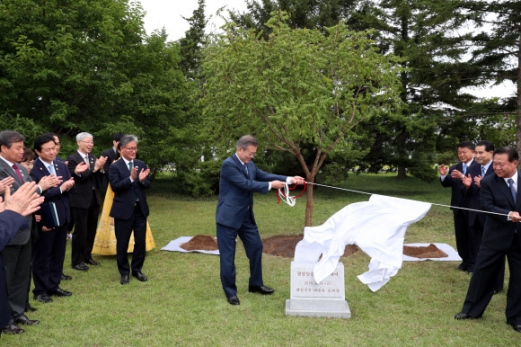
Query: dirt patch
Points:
[284, 246]
[430, 251]
[201, 242]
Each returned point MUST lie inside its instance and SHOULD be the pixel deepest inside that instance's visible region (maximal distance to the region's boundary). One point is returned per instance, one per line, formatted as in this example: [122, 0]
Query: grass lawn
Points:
[183, 304]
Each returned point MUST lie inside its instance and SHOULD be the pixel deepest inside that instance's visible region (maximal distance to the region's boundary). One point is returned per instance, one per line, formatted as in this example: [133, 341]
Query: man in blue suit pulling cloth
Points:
[239, 179]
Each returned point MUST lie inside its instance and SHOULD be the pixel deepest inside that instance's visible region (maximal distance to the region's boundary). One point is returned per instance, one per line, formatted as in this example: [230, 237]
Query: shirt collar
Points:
[239, 159]
[7, 161]
[44, 162]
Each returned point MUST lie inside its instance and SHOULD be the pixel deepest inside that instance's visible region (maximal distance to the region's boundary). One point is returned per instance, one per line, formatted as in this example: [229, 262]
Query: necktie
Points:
[246, 167]
[51, 169]
[512, 189]
[18, 173]
[465, 169]
[483, 171]
[130, 165]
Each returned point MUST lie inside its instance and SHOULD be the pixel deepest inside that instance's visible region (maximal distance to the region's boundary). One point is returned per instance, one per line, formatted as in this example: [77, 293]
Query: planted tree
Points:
[298, 86]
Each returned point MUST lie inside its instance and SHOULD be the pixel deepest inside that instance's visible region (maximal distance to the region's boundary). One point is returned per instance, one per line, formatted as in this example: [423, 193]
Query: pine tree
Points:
[192, 44]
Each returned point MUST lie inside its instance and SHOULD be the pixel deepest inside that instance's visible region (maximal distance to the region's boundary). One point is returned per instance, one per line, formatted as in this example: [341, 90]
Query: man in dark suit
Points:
[17, 254]
[129, 177]
[49, 250]
[453, 178]
[111, 154]
[85, 200]
[472, 183]
[12, 212]
[239, 179]
[500, 194]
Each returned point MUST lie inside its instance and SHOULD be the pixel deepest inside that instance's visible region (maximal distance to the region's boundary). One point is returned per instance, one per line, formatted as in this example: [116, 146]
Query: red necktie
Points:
[18, 173]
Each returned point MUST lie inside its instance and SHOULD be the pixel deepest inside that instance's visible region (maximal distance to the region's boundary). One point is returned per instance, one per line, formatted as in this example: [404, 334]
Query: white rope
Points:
[290, 200]
[454, 207]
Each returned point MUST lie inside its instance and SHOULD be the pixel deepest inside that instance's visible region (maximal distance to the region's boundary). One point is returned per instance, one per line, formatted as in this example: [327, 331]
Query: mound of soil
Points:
[201, 242]
[284, 246]
[430, 251]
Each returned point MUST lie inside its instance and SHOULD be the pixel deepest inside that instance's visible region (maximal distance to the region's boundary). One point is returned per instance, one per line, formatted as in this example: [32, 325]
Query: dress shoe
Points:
[261, 290]
[91, 262]
[517, 327]
[234, 300]
[124, 279]
[12, 329]
[59, 292]
[463, 315]
[29, 308]
[66, 278]
[140, 276]
[43, 298]
[80, 267]
[462, 267]
[23, 319]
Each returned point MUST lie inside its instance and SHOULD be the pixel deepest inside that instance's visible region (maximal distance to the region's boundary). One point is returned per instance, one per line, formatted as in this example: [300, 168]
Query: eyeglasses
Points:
[131, 149]
[88, 142]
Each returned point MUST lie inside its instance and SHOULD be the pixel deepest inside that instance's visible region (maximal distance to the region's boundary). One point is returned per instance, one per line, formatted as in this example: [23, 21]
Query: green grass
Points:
[182, 304]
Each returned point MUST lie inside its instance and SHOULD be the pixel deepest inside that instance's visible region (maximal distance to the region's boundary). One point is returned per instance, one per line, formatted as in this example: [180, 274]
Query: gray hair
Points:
[126, 139]
[8, 137]
[82, 136]
[246, 141]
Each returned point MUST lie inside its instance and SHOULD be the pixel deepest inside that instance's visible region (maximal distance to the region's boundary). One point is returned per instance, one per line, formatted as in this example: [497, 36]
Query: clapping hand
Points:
[49, 181]
[143, 174]
[6, 183]
[100, 162]
[24, 201]
[67, 185]
[81, 168]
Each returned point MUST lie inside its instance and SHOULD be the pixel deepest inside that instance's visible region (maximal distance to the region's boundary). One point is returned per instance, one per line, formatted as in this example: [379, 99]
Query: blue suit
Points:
[130, 212]
[500, 237]
[234, 217]
[49, 249]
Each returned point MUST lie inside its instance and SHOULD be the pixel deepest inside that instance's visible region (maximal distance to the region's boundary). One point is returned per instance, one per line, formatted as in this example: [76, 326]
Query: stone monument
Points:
[311, 299]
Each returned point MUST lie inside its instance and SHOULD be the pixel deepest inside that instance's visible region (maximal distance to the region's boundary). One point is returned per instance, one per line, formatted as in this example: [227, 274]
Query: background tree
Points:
[497, 54]
[299, 86]
[72, 66]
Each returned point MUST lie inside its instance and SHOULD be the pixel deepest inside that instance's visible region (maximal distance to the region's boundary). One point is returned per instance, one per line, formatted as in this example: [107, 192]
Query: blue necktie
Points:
[246, 167]
[512, 189]
[51, 169]
[464, 169]
[483, 171]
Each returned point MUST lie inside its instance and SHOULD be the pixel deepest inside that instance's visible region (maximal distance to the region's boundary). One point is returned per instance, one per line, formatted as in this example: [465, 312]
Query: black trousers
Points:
[48, 257]
[123, 229]
[17, 262]
[85, 225]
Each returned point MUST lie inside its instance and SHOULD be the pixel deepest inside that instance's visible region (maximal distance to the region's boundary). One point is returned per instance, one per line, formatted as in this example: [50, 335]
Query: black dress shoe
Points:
[91, 262]
[59, 292]
[12, 329]
[517, 327]
[462, 267]
[66, 278]
[234, 300]
[124, 279]
[261, 290]
[23, 319]
[43, 298]
[462, 315]
[140, 276]
[29, 308]
[80, 267]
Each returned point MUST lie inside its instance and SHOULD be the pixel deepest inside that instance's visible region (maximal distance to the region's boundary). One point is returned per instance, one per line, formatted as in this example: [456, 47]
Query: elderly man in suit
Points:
[501, 195]
[239, 179]
[453, 179]
[49, 250]
[12, 212]
[17, 254]
[111, 155]
[129, 177]
[85, 200]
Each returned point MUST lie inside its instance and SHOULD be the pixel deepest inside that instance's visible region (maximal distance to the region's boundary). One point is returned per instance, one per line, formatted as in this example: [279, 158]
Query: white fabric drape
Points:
[376, 226]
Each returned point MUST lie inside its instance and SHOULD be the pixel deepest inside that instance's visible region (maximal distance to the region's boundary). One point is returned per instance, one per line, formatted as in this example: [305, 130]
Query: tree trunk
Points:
[518, 113]
[309, 205]
[402, 173]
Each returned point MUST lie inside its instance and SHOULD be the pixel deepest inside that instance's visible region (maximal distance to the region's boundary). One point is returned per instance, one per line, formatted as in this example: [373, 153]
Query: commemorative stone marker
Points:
[311, 299]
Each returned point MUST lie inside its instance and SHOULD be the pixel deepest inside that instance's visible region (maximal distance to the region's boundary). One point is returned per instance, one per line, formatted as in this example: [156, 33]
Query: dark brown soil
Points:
[201, 242]
[284, 246]
[430, 251]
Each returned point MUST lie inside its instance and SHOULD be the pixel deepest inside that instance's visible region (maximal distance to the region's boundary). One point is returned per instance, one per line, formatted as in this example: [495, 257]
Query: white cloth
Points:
[175, 246]
[376, 226]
